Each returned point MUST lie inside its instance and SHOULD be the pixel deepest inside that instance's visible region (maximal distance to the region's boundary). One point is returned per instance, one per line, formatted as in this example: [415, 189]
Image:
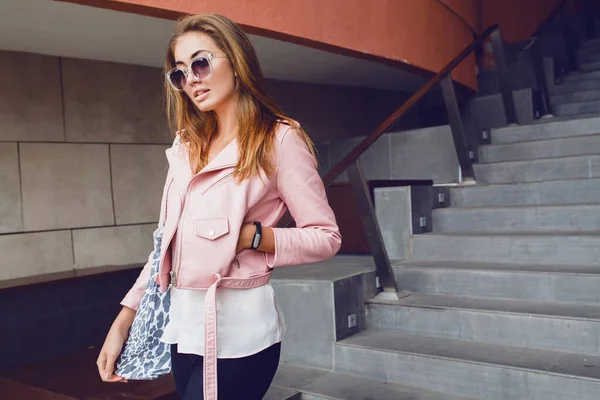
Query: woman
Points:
[236, 165]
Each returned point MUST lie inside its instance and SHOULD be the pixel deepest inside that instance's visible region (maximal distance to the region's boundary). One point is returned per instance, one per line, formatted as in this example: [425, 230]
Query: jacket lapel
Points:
[228, 157]
[178, 157]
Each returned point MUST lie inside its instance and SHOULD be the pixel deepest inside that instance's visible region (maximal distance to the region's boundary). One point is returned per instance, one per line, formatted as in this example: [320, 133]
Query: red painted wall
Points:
[420, 35]
[410, 33]
[468, 9]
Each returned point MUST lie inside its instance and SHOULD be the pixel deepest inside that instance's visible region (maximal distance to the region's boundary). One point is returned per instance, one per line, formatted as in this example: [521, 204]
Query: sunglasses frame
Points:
[187, 70]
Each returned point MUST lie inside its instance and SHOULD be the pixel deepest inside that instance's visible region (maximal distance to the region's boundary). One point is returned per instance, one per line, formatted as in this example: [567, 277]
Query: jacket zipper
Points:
[177, 257]
[162, 256]
[217, 182]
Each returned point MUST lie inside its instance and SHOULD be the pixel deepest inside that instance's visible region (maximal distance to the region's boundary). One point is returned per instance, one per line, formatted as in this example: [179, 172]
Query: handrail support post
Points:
[540, 79]
[457, 127]
[503, 77]
[366, 211]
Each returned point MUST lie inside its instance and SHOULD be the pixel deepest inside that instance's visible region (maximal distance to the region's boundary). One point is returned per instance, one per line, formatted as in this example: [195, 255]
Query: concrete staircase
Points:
[502, 300]
[300, 383]
[579, 92]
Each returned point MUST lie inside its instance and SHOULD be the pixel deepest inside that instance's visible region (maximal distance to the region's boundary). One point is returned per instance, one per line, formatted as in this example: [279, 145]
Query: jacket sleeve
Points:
[316, 236]
[133, 298]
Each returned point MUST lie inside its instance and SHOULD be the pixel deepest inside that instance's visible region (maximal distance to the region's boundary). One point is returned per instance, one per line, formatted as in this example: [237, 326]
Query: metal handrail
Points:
[366, 211]
[459, 17]
[400, 112]
[534, 49]
[465, 156]
[544, 24]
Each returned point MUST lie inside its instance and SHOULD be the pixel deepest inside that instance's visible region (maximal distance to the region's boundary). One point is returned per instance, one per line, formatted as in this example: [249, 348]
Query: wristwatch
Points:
[257, 236]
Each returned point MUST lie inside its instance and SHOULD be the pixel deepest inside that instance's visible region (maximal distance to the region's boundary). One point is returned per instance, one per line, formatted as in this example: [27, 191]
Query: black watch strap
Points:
[257, 236]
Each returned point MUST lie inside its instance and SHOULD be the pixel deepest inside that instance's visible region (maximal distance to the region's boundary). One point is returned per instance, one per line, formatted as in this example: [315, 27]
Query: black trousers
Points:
[246, 378]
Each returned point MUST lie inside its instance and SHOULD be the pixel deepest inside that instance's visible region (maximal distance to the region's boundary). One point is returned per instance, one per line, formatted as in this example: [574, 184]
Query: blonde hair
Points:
[258, 115]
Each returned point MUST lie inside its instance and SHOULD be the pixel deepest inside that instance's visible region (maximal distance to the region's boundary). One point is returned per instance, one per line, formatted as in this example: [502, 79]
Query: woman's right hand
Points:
[115, 339]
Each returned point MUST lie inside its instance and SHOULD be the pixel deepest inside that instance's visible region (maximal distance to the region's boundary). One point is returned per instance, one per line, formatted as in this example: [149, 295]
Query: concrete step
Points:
[279, 393]
[586, 58]
[549, 129]
[577, 108]
[575, 87]
[595, 42]
[575, 97]
[549, 249]
[581, 77]
[483, 370]
[550, 148]
[576, 191]
[588, 50]
[545, 169]
[549, 283]
[589, 66]
[584, 218]
[314, 384]
[511, 322]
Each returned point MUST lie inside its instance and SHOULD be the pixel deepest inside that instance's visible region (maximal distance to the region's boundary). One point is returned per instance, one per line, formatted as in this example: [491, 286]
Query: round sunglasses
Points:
[200, 68]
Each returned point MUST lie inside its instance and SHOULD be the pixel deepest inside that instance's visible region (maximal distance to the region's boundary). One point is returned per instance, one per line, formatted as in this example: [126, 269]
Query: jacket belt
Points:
[210, 326]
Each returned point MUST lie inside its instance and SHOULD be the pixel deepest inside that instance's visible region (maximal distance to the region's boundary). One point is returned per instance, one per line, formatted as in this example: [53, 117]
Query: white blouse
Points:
[248, 321]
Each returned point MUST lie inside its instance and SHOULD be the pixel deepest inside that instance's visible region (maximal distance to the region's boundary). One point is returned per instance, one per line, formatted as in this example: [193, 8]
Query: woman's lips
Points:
[201, 95]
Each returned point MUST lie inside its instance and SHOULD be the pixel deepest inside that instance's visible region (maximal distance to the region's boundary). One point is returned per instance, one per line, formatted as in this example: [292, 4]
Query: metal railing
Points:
[351, 163]
[459, 137]
[465, 156]
[560, 11]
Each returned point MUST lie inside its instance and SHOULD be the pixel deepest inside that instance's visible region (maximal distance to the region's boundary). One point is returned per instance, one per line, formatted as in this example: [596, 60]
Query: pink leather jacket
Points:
[208, 210]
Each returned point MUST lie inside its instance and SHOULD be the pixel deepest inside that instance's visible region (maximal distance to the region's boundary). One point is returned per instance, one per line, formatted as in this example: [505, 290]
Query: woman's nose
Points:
[193, 77]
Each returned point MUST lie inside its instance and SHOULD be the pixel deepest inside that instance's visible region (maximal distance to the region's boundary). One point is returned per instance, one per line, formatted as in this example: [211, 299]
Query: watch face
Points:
[256, 241]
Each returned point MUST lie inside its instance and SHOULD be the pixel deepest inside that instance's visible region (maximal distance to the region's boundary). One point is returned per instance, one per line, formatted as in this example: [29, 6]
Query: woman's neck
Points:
[228, 121]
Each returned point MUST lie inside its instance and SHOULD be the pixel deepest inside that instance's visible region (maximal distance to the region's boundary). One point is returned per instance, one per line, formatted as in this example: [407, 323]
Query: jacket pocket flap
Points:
[211, 228]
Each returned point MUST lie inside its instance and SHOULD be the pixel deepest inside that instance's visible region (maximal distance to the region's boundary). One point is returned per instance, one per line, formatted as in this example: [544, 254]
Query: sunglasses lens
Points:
[201, 67]
[178, 80]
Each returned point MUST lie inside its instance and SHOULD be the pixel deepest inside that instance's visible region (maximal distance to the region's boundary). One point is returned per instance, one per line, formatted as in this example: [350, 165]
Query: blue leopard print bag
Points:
[144, 356]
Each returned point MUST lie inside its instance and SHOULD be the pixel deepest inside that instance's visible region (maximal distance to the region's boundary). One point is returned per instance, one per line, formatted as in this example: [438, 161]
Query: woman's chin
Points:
[204, 106]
